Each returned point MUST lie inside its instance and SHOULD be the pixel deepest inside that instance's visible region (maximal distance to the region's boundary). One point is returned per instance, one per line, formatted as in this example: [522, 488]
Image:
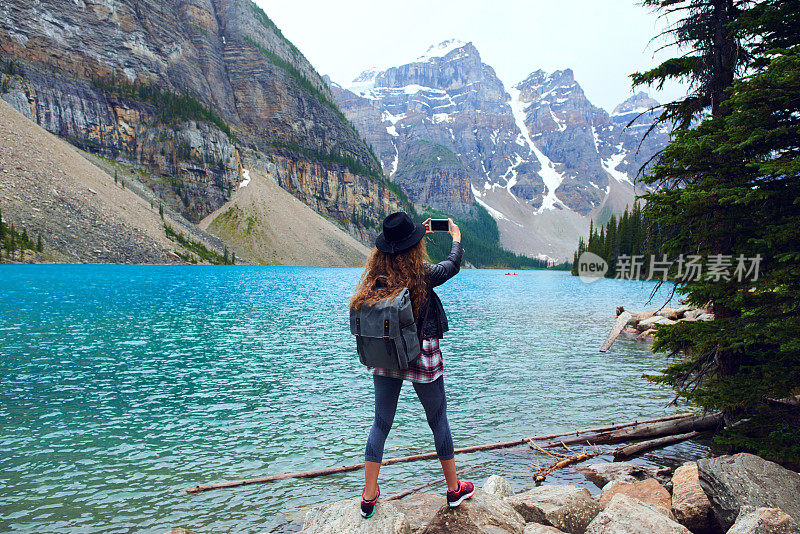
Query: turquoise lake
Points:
[122, 385]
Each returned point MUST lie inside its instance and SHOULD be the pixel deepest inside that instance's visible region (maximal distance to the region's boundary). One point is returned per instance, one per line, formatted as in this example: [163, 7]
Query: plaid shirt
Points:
[427, 368]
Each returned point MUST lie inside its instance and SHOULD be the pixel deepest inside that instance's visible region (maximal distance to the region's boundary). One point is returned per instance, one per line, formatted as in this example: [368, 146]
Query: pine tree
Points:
[161, 210]
[39, 243]
[233, 258]
[715, 54]
[225, 256]
[730, 186]
[115, 175]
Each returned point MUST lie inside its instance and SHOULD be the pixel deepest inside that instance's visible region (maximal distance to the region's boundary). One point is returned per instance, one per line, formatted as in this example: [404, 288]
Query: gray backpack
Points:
[386, 332]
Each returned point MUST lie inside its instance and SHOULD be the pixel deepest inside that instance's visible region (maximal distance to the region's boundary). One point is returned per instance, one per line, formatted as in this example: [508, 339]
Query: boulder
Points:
[682, 310]
[482, 514]
[693, 313]
[419, 509]
[345, 516]
[626, 515]
[497, 485]
[669, 313]
[568, 508]
[705, 317]
[640, 316]
[648, 490]
[537, 528]
[602, 474]
[647, 324]
[764, 521]
[748, 480]
[690, 504]
[647, 336]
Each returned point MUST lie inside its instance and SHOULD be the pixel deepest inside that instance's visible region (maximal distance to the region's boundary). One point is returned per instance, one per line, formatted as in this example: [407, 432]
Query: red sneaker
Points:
[464, 491]
[368, 507]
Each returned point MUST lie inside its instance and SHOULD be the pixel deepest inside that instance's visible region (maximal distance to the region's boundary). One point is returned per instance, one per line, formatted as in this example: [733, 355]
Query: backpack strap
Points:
[391, 348]
[424, 320]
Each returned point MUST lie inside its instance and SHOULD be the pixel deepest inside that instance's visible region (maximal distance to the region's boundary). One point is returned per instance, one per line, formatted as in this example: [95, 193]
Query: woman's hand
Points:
[427, 224]
[455, 231]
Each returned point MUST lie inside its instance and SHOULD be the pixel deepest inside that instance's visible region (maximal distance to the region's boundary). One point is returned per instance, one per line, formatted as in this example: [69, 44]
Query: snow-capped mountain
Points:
[537, 155]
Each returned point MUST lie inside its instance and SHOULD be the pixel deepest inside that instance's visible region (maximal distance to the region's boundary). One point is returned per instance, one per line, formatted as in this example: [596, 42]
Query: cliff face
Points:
[181, 87]
[434, 176]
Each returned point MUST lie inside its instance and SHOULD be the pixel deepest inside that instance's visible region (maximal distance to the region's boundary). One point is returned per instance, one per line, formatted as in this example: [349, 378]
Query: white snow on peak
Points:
[441, 49]
[364, 82]
[552, 179]
[628, 111]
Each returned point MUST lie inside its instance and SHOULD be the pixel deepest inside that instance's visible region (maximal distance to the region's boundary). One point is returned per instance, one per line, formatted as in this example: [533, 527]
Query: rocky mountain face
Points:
[539, 156]
[192, 91]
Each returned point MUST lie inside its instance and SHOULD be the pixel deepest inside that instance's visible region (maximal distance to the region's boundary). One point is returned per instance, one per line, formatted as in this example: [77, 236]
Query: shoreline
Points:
[740, 493]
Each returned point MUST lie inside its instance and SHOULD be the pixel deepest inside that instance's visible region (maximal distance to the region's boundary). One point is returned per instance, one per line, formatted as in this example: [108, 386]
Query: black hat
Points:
[399, 233]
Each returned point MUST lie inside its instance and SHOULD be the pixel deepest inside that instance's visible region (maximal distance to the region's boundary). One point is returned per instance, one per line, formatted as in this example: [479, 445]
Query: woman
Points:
[400, 260]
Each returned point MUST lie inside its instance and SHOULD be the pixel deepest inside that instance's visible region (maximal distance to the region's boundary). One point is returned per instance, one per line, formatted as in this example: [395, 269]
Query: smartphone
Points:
[440, 225]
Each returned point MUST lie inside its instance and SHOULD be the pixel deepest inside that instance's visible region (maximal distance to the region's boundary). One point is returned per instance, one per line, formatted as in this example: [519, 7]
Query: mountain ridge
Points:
[533, 147]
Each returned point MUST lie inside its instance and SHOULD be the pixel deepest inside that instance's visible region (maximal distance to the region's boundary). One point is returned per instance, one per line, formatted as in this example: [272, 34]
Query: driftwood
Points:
[624, 318]
[590, 433]
[622, 321]
[562, 460]
[628, 451]
[408, 492]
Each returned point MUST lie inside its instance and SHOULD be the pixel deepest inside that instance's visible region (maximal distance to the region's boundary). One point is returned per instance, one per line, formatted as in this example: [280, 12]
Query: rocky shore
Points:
[738, 494]
[642, 324]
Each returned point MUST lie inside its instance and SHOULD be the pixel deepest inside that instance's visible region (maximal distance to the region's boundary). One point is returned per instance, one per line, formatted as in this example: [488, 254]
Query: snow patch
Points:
[441, 49]
[559, 123]
[630, 111]
[395, 161]
[610, 165]
[246, 180]
[364, 83]
[493, 212]
[552, 179]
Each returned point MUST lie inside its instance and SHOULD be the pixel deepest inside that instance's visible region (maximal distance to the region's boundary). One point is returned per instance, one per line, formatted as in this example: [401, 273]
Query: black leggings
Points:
[431, 395]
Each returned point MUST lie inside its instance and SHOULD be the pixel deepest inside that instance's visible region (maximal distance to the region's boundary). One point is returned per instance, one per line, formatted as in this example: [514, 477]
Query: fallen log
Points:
[628, 451]
[622, 321]
[432, 455]
[624, 318]
[696, 423]
[408, 492]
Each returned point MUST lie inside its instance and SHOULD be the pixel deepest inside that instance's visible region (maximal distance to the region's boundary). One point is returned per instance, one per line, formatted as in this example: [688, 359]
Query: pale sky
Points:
[602, 41]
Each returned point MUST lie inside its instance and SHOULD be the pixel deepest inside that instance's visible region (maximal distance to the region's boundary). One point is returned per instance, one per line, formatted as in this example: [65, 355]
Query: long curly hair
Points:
[406, 269]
